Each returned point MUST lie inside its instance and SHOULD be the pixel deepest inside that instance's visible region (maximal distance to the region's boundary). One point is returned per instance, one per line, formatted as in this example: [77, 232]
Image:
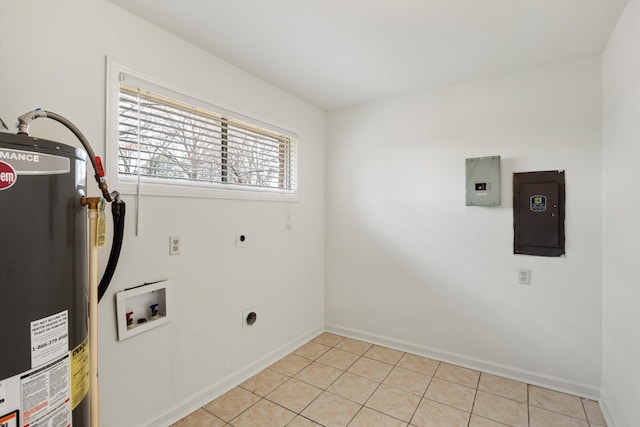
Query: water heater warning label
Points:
[49, 338]
[38, 398]
[45, 395]
[9, 420]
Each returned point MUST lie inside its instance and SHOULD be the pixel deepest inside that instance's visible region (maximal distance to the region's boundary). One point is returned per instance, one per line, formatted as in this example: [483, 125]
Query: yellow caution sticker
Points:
[79, 373]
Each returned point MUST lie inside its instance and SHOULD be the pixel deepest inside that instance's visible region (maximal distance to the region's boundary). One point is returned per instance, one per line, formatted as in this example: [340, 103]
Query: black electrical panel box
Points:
[538, 213]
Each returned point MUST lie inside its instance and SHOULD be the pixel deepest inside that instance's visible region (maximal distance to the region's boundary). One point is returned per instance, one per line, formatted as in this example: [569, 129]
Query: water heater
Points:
[44, 360]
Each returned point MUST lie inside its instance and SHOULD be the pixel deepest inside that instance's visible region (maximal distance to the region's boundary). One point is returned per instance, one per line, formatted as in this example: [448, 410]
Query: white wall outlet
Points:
[175, 245]
[241, 240]
[524, 276]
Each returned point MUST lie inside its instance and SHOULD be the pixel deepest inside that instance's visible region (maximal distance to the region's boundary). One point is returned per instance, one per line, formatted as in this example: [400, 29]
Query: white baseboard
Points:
[533, 378]
[197, 400]
[606, 412]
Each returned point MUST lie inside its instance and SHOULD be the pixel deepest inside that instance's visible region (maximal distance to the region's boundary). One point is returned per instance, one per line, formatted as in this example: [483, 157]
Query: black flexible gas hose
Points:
[117, 212]
[117, 206]
[23, 129]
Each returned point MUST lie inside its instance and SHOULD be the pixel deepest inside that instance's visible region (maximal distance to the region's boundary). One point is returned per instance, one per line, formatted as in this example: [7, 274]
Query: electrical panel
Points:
[483, 181]
[538, 213]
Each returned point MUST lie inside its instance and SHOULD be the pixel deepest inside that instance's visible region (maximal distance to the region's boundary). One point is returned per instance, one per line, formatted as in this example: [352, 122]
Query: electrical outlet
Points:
[241, 240]
[524, 277]
[175, 245]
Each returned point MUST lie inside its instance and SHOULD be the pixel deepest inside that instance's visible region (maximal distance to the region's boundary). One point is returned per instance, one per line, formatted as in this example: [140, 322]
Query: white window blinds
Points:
[165, 140]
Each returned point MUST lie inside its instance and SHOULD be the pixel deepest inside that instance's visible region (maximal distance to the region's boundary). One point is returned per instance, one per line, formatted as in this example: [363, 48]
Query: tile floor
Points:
[334, 381]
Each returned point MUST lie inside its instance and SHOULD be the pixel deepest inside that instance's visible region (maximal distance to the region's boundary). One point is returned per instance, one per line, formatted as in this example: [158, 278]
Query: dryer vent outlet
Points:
[249, 318]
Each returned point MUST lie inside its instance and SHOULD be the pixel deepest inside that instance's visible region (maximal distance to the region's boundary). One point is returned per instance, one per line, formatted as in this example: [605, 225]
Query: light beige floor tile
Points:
[353, 387]
[448, 399]
[264, 382]
[504, 387]
[371, 369]
[419, 364]
[594, 414]
[556, 402]
[264, 414]
[301, 421]
[331, 410]
[477, 421]
[451, 394]
[384, 354]
[369, 418]
[338, 359]
[542, 418]
[327, 338]
[230, 404]
[501, 409]
[318, 375]
[290, 364]
[294, 395]
[354, 346]
[200, 418]
[457, 374]
[397, 403]
[312, 350]
[434, 414]
[404, 379]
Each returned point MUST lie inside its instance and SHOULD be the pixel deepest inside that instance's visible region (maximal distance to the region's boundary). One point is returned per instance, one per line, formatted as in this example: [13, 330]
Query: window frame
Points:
[177, 188]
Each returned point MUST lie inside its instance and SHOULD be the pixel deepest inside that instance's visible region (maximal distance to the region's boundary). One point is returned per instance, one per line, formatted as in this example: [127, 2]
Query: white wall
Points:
[53, 56]
[409, 265]
[621, 290]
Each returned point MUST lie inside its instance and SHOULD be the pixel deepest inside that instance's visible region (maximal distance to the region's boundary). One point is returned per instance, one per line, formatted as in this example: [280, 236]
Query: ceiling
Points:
[335, 53]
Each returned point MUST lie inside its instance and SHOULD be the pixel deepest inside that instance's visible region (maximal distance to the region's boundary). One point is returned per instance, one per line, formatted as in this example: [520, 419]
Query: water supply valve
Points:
[130, 320]
[154, 311]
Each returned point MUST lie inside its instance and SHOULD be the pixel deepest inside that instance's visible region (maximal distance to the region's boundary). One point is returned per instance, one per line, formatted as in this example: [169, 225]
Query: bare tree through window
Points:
[163, 139]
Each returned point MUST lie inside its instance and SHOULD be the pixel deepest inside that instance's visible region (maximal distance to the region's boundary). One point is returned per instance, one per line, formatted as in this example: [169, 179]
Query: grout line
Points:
[473, 405]
[585, 411]
[251, 406]
[561, 413]
[528, 406]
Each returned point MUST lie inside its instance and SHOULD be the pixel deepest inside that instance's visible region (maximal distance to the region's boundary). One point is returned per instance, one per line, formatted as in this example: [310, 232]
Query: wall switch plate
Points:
[175, 245]
[524, 276]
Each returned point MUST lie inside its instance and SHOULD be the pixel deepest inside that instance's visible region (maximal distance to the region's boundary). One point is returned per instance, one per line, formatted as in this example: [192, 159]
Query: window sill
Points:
[126, 187]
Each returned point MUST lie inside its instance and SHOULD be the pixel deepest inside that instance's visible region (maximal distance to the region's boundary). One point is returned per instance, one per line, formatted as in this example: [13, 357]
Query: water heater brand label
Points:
[8, 175]
[34, 163]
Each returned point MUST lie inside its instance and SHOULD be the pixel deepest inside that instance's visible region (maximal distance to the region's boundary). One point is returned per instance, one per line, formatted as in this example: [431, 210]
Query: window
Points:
[165, 139]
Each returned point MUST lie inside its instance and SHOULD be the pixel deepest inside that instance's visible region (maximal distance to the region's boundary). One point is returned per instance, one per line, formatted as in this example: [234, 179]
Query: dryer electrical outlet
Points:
[538, 213]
